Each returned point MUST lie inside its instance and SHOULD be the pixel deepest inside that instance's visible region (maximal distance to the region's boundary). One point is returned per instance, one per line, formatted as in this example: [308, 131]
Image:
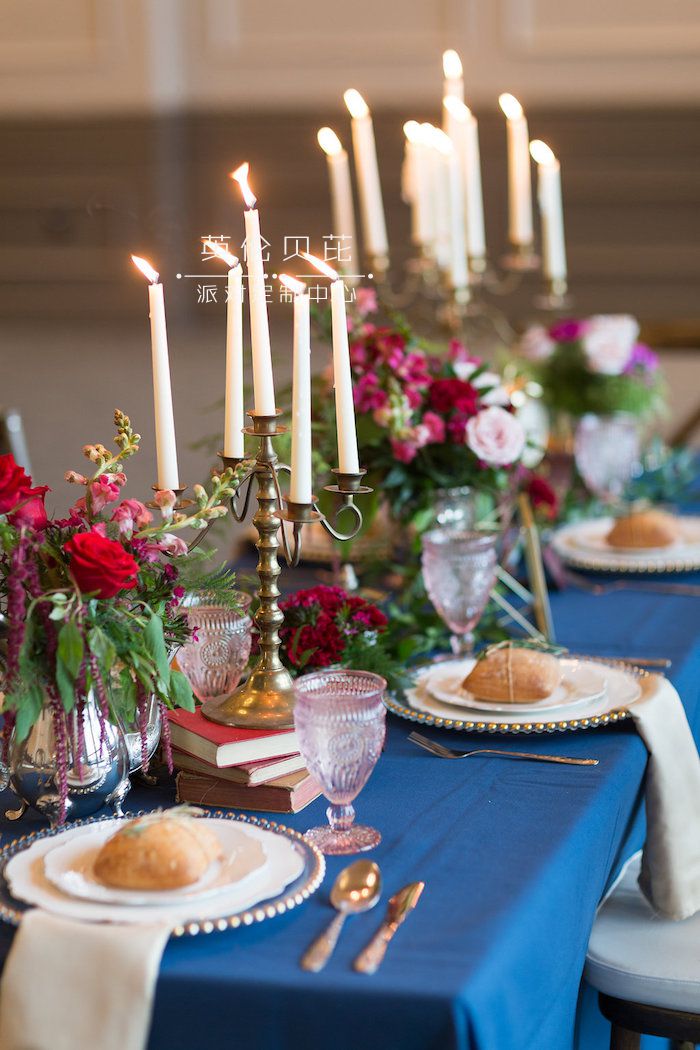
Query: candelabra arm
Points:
[239, 512]
[347, 504]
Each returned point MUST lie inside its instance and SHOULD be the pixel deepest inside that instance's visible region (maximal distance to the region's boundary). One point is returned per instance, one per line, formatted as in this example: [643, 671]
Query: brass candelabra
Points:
[266, 699]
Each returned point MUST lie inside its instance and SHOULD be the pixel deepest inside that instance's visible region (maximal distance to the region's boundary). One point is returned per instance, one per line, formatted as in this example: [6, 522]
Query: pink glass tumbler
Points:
[341, 721]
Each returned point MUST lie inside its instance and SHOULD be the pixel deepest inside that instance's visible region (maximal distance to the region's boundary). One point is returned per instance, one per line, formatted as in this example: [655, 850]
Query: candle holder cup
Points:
[555, 299]
[522, 258]
[266, 699]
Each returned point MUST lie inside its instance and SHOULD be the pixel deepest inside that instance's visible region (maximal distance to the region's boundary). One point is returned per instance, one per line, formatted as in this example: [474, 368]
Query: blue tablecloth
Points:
[515, 858]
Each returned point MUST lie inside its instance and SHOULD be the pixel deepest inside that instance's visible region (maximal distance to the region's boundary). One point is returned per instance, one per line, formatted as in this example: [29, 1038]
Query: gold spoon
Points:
[357, 889]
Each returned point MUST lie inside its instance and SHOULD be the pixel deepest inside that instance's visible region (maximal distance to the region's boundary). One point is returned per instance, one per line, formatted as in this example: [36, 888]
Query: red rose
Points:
[99, 565]
[15, 485]
[446, 394]
[31, 511]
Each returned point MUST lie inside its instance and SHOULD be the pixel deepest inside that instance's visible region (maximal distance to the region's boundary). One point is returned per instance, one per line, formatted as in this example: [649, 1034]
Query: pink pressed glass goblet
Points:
[340, 722]
[459, 570]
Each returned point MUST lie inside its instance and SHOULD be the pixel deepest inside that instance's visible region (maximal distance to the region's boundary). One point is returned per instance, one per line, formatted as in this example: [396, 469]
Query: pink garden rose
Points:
[536, 344]
[131, 515]
[608, 343]
[495, 436]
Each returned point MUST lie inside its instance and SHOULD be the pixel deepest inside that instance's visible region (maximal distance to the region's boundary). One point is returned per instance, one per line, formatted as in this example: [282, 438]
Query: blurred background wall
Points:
[120, 119]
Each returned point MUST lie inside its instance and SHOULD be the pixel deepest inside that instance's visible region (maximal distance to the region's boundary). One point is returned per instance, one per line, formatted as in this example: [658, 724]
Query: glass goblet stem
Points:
[340, 817]
[462, 644]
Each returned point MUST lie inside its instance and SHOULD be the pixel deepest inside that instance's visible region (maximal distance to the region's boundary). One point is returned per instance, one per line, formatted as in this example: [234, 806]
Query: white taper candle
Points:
[367, 170]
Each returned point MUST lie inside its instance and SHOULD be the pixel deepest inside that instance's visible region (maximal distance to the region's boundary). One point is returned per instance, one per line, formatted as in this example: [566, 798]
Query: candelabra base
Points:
[264, 701]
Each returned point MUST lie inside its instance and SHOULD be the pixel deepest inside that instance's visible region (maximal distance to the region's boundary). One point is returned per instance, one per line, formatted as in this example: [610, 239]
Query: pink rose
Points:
[103, 491]
[608, 343]
[536, 344]
[495, 436]
[131, 515]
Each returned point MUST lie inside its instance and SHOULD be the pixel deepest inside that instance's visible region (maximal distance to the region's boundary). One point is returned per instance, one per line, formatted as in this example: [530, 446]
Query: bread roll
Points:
[514, 675]
[157, 854]
[644, 528]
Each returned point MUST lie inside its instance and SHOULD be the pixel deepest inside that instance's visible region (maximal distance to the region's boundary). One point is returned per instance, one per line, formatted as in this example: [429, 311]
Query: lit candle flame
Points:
[456, 108]
[221, 252]
[541, 153]
[145, 268]
[451, 64]
[241, 177]
[321, 266]
[298, 287]
[510, 106]
[329, 142]
[356, 104]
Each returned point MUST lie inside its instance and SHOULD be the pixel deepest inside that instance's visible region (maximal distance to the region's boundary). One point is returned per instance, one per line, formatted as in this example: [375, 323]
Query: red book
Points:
[286, 795]
[228, 745]
[250, 773]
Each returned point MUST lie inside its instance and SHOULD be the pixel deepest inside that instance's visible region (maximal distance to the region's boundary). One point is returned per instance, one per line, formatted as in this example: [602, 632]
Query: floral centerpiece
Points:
[326, 626]
[91, 601]
[595, 365]
[427, 417]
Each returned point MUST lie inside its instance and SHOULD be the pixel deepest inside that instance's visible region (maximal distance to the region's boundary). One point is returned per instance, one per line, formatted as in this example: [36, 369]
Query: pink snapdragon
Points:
[104, 490]
[131, 515]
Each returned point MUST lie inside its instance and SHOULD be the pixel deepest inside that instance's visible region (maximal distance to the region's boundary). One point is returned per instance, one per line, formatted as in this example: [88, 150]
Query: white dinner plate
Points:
[70, 866]
[581, 682]
[583, 544]
[26, 876]
[622, 689]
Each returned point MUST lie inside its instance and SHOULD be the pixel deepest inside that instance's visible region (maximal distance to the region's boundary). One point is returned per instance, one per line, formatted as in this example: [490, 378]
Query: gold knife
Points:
[399, 907]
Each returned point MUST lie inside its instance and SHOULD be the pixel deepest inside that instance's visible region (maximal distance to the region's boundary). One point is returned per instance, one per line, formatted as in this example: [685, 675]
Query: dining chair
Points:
[646, 969]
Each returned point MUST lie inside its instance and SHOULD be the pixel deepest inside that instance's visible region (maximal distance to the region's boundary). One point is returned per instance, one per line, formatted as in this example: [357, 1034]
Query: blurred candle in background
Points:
[519, 185]
[463, 129]
[233, 395]
[166, 449]
[367, 171]
[551, 211]
[263, 382]
[342, 207]
[453, 83]
[300, 483]
[457, 269]
[348, 459]
[439, 196]
[418, 186]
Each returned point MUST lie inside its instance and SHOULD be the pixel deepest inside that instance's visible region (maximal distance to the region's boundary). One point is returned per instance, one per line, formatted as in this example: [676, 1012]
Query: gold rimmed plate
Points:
[582, 545]
[624, 685]
[307, 881]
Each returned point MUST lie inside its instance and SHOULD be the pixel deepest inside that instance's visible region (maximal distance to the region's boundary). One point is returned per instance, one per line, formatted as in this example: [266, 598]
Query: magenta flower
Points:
[436, 427]
[404, 451]
[642, 357]
[567, 331]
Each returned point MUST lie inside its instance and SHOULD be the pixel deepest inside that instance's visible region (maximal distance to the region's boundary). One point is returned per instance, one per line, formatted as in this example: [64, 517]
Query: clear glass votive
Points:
[459, 571]
[341, 721]
[215, 659]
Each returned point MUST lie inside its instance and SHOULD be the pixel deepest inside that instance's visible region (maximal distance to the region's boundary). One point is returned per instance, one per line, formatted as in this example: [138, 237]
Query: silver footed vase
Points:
[97, 766]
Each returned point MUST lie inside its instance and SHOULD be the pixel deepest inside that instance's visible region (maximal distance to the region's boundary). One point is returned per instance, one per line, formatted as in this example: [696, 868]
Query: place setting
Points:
[265, 669]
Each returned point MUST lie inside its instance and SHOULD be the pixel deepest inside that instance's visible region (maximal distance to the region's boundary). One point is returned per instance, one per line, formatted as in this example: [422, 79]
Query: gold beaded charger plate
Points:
[581, 683]
[293, 871]
[583, 545]
[624, 685]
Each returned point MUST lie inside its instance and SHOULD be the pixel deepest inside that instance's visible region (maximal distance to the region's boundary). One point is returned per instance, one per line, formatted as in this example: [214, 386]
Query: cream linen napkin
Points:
[69, 985]
[670, 875]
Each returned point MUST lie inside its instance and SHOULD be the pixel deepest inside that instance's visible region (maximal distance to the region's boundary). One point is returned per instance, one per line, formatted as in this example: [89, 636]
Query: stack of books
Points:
[258, 769]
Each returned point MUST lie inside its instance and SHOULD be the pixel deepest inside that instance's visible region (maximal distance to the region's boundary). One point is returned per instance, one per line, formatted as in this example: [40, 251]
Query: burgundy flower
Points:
[542, 496]
[448, 394]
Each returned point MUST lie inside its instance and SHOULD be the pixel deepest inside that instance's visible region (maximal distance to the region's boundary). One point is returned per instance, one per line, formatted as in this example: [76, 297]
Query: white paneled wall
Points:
[79, 56]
